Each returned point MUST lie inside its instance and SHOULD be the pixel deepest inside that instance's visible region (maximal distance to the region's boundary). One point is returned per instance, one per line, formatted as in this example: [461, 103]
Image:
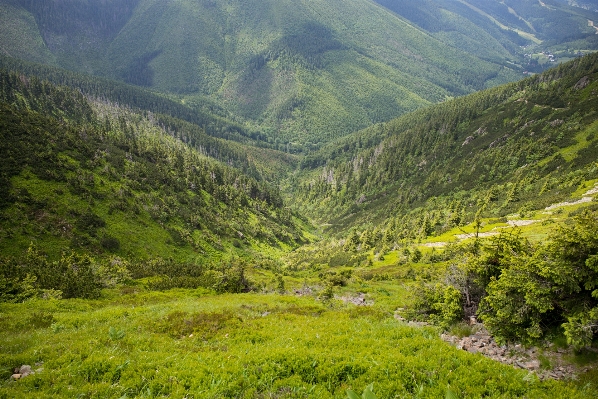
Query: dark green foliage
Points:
[336, 279]
[109, 243]
[202, 325]
[15, 286]
[303, 72]
[41, 320]
[210, 119]
[440, 304]
[167, 274]
[543, 287]
[73, 275]
[523, 291]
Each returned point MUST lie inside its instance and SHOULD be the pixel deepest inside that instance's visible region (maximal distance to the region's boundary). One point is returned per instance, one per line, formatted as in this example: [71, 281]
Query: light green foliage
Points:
[448, 305]
[115, 334]
[186, 343]
[128, 189]
[114, 271]
[119, 201]
[450, 395]
[485, 155]
[368, 393]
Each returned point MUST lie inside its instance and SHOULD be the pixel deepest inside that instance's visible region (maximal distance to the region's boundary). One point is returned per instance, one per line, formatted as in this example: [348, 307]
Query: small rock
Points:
[15, 376]
[25, 370]
[582, 83]
[533, 365]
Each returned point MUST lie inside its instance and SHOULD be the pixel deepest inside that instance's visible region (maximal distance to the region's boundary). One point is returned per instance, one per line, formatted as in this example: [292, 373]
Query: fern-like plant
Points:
[367, 393]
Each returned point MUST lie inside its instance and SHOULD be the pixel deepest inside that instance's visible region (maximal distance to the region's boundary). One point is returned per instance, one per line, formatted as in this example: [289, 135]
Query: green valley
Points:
[309, 199]
[257, 59]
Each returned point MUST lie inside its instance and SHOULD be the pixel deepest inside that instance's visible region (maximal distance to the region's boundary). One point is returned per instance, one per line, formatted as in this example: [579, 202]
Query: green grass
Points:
[582, 142]
[190, 343]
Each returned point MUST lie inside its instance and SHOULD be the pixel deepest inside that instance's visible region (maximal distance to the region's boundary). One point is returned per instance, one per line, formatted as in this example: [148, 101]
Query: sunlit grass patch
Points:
[179, 343]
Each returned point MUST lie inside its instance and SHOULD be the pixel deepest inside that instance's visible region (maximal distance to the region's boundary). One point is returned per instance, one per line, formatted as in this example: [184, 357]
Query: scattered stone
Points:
[519, 364]
[358, 300]
[582, 83]
[533, 365]
[468, 140]
[16, 376]
[515, 355]
[25, 370]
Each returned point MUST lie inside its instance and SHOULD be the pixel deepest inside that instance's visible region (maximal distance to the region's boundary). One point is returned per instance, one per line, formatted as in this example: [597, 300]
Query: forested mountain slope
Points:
[304, 71]
[518, 146]
[213, 120]
[87, 175]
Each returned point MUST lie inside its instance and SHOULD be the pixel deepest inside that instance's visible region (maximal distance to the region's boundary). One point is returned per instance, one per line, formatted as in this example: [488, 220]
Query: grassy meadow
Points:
[194, 344]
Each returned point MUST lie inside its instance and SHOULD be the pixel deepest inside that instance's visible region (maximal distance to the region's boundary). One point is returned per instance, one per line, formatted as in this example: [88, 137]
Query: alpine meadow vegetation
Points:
[310, 218]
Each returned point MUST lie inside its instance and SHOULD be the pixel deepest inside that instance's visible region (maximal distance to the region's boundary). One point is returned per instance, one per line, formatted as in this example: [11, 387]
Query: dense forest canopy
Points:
[299, 73]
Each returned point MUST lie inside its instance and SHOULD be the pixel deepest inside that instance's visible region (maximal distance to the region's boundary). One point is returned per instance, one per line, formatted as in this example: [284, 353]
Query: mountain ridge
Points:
[260, 61]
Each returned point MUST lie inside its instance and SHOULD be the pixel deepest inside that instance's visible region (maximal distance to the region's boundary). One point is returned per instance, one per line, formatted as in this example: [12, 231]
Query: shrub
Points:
[41, 319]
[73, 274]
[114, 271]
[438, 303]
[554, 284]
[16, 289]
[110, 243]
